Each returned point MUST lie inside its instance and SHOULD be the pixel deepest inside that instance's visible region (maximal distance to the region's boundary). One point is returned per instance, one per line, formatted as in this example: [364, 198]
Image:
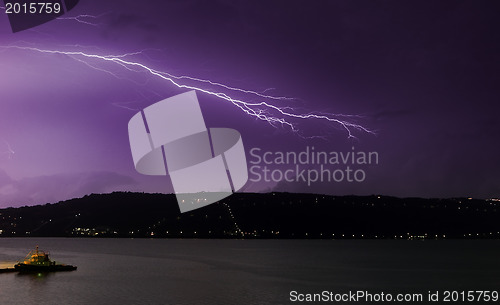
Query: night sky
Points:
[422, 76]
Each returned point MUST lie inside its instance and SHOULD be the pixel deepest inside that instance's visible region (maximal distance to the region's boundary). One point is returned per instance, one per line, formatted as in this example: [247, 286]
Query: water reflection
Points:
[34, 278]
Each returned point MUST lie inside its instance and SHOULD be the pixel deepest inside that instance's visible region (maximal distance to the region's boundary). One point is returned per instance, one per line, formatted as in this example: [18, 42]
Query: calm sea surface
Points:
[154, 271]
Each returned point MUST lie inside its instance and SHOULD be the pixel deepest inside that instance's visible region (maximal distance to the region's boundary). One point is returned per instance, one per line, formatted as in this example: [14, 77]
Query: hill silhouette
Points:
[249, 215]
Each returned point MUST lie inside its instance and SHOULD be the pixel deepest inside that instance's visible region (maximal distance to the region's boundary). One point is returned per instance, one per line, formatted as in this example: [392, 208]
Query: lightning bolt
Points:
[84, 19]
[265, 111]
[124, 106]
[10, 152]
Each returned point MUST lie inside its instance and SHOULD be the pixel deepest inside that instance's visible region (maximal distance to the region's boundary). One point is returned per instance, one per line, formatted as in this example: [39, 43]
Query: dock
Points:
[6, 270]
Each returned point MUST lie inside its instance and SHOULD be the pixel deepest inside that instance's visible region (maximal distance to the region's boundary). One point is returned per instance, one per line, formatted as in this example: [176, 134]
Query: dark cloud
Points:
[50, 189]
[4, 178]
[423, 75]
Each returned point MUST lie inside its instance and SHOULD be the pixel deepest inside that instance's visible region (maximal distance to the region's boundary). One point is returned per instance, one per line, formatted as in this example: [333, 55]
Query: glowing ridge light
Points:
[238, 229]
[259, 110]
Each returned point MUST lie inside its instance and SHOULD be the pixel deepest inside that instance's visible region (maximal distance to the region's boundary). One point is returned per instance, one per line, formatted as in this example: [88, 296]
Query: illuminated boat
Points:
[38, 261]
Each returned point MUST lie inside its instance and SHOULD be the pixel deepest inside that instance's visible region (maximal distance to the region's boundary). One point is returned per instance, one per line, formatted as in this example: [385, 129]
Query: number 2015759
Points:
[32, 8]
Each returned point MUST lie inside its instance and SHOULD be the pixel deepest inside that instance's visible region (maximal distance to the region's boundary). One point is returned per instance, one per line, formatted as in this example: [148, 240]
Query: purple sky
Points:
[422, 75]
